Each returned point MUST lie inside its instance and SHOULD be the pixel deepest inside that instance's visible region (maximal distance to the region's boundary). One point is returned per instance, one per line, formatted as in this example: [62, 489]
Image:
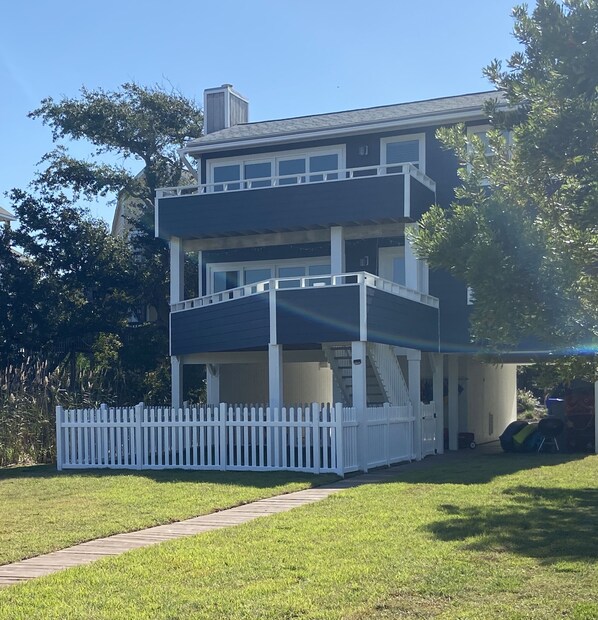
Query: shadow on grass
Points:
[250, 479]
[473, 468]
[548, 524]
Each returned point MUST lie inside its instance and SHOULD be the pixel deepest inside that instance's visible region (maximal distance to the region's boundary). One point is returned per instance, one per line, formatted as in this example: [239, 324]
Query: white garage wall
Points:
[491, 396]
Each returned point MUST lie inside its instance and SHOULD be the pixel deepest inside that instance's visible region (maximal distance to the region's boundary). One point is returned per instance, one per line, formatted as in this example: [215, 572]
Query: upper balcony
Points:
[347, 197]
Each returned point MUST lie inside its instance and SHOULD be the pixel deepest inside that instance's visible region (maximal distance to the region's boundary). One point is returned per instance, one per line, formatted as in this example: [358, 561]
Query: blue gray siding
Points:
[229, 326]
[401, 322]
[317, 315]
[364, 200]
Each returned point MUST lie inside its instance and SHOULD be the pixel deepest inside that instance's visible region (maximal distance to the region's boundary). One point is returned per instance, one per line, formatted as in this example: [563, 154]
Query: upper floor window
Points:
[481, 133]
[399, 150]
[287, 168]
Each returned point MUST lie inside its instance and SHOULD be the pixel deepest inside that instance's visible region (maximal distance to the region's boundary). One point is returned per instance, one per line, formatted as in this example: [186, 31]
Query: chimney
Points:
[223, 107]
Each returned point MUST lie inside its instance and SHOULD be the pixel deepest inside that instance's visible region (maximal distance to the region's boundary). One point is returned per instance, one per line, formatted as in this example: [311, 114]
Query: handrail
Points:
[302, 282]
[304, 178]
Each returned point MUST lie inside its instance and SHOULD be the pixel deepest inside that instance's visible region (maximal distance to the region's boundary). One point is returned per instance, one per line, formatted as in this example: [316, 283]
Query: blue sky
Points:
[288, 57]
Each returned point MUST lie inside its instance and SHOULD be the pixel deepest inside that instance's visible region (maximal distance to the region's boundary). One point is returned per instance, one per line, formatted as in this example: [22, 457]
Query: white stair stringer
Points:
[339, 358]
[389, 374]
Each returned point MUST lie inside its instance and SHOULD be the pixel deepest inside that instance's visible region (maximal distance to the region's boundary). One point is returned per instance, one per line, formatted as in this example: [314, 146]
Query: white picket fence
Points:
[313, 438]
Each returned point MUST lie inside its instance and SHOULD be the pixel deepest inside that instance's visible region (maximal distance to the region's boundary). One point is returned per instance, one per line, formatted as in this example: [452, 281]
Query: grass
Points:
[42, 510]
[500, 536]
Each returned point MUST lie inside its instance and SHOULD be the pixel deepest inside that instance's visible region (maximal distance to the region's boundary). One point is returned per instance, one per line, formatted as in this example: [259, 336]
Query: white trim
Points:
[339, 174]
[303, 282]
[272, 315]
[212, 268]
[421, 137]
[176, 370]
[337, 250]
[275, 375]
[177, 270]
[414, 121]
[273, 159]
[411, 262]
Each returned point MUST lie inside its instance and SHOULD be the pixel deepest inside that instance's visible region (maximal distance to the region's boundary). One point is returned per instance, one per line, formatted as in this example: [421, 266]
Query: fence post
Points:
[387, 438]
[315, 420]
[138, 436]
[222, 438]
[362, 438]
[59, 455]
[340, 451]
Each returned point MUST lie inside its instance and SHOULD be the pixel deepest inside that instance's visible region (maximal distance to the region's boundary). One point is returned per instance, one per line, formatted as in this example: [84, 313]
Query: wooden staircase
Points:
[384, 377]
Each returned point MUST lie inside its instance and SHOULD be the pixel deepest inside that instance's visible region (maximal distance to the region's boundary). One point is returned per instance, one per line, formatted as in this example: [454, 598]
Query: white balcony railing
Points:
[361, 278]
[330, 176]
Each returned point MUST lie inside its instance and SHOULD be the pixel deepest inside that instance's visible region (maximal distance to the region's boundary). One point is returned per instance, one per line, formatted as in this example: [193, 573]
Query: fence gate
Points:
[429, 428]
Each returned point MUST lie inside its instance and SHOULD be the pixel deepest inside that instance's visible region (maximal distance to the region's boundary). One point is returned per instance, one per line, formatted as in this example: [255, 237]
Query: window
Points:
[225, 276]
[225, 280]
[259, 274]
[319, 164]
[481, 132]
[323, 163]
[261, 170]
[225, 174]
[403, 150]
[287, 167]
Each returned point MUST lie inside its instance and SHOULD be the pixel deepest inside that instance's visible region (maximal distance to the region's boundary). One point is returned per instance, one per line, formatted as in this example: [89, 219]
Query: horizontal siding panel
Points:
[230, 326]
[318, 315]
[295, 207]
[401, 322]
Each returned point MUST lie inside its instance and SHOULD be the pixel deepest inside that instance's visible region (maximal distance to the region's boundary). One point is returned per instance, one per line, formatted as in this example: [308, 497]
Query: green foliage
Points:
[526, 402]
[67, 296]
[148, 124]
[71, 281]
[29, 394]
[523, 229]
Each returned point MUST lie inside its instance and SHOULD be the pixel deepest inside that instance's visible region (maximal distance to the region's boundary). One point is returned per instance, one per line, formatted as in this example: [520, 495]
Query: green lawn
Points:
[501, 536]
[42, 510]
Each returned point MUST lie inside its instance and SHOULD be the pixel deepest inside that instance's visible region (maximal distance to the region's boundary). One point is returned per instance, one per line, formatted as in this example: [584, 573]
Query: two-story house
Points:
[310, 290]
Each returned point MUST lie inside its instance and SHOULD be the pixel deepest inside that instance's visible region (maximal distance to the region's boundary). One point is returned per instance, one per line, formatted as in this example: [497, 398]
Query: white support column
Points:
[437, 363]
[360, 399]
[411, 262]
[275, 370]
[337, 250]
[453, 402]
[200, 274]
[177, 270]
[213, 384]
[414, 382]
[176, 368]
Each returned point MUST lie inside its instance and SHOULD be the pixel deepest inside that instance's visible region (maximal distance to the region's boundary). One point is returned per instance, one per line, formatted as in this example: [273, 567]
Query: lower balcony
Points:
[306, 312]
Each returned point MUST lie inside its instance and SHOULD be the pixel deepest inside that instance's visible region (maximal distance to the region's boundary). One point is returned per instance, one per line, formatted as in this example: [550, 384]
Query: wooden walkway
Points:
[88, 552]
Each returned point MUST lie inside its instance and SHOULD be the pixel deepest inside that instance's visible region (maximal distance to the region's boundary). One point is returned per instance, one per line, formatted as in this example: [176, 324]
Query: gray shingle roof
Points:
[347, 119]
